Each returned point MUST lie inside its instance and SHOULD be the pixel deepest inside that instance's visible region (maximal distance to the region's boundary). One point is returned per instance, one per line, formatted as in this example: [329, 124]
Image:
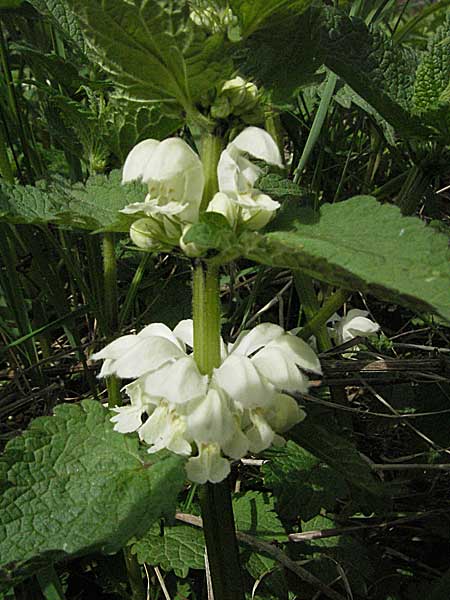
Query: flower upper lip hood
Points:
[174, 175]
[133, 355]
[237, 174]
[238, 200]
[354, 324]
[259, 144]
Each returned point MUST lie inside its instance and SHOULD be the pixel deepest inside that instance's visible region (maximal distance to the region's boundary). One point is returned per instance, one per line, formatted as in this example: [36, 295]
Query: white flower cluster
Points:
[174, 175]
[240, 408]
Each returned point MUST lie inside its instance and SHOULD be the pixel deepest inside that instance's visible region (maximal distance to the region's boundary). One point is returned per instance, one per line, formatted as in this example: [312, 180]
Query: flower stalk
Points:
[215, 499]
[110, 309]
[210, 147]
[221, 542]
[206, 317]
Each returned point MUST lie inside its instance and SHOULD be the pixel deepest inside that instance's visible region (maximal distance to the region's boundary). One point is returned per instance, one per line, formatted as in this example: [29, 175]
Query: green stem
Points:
[413, 189]
[206, 316]
[134, 575]
[133, 290]
[215, 499]
[12, 100]
[273, 125]
[329, 307]
[305, 290]
[221, 542]
[110, 283]
[110, 310]
[110, 319]
[211, 147]
[308, 299]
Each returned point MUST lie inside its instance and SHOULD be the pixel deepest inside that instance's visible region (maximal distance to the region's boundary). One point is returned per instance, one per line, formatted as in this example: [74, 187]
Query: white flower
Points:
[209, 465]
[135, 355]
[174, 175]
[241, 407]
[175, 179]
[165, 429]
[238, 200]
[354, 324]
[129, 418]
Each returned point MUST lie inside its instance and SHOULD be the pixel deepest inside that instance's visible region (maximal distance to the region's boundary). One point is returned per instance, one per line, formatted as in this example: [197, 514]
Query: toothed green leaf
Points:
[358, 244]
[175, 548]
[70, 486]
[94, 206]
[154, 50]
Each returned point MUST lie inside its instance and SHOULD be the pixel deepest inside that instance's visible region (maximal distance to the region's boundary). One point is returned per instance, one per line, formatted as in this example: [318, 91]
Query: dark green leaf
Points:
[336, 556]
[362, 245]
[431, 88]
[63, 17]
[252, 14]
[70, 485]
[441, 590]
[342, 456]
[154, 50]
[285, 54]
[94, 206]
[254, 513]
[175, 548]
[8, 4]
[358, 244]
[302, 484]
[212, 234]
[271, 578]
[128, 123]
[377, 69]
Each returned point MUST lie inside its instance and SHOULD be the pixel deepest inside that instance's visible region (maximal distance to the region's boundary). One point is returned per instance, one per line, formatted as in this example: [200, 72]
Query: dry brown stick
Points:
[337, 531]
[410, 467]
[361, 411]
[436, 365]
[416, 431]
[347, 372]
[274, 553]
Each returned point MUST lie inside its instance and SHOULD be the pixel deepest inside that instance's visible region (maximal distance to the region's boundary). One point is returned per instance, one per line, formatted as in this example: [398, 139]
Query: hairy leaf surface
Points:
[63, 17]
[153, 49]
[302, 484]
[70, 485]
[358, 244]
[93, 206]
[361, 244]
[380, 71]
[284, 55]
[175, 548]
[432, 84]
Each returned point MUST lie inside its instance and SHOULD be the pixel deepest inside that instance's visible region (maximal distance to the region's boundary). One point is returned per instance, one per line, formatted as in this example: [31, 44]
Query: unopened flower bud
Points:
[152, 234]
